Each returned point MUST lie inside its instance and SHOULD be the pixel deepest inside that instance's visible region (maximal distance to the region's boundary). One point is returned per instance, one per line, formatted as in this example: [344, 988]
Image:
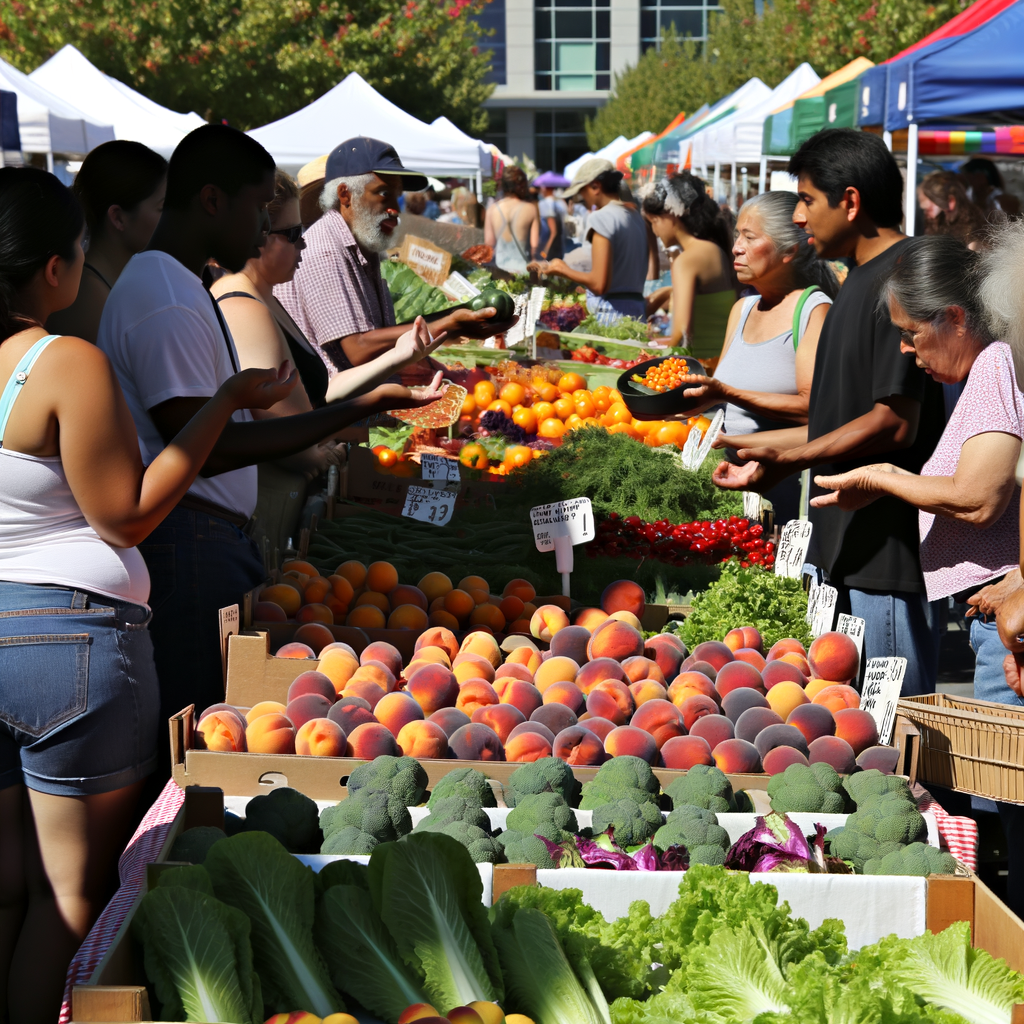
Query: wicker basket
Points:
[973, 746]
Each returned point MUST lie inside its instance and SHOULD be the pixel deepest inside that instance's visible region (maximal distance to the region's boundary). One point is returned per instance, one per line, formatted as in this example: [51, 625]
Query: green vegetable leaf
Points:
[254, 873]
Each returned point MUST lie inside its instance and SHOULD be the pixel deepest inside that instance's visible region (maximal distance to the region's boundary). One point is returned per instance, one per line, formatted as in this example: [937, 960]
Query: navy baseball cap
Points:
[362, 155]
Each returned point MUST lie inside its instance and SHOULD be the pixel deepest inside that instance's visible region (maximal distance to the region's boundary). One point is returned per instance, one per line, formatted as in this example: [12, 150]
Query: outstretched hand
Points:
[261, 388]
[398, 396]
[731, 477]
[417, 343]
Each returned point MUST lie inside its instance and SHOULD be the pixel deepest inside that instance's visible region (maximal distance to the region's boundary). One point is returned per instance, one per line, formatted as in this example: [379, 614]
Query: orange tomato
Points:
[624, 428]
[500, 405]
[618, 413]
[517, 456]
[525, 418]
[580, 393]
[701, 423]
[671, 434]
[543, 410]
[592, 421]
[615, 395]
[473, 456]
[484, 393]
[551, 427]
[546, 391]
[585, 406]
[602, 398]
[570, 382]
[387, 458]
[574, 422]
[514, 394]
[644, 427]
[564, 407]
[468, 406]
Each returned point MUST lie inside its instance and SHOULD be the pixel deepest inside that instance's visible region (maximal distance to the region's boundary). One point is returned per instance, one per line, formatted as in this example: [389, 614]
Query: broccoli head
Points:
[704, 786]
[349, 840]
[622, 778]
[375, 811]
[288, 815]
[863, 787]
[524, 848]
[801, 787]
[403, 776]
[194, 843]
[915, 859]
[632, 824]
[856, 847]
[454, 808]
[698, 830]
[890, 819]
[483, 848]
[545, 775]
[544, 814]
[467, 783]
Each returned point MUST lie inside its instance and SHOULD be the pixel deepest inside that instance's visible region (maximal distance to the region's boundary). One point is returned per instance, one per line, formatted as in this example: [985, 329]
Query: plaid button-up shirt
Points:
[337, 290]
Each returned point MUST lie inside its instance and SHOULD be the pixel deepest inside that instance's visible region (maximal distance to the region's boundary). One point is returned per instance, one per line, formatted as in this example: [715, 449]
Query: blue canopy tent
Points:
[10, 137]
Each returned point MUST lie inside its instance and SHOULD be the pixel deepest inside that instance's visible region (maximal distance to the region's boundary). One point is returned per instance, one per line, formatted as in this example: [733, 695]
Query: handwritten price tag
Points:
[437, 467]
[883, 680]
[792, 551]
[751, 505]
[821, 608]
[853, 627]
[573, 518]
[429, 505]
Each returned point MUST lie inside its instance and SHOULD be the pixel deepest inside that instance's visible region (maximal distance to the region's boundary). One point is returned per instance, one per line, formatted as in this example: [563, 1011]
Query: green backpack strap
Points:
[798, 312]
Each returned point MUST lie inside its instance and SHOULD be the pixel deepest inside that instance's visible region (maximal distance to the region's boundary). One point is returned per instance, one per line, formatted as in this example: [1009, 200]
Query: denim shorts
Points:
[79, 700]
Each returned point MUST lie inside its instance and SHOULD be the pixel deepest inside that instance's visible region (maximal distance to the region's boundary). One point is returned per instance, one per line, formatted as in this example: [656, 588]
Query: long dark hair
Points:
[685, 196]
[39, 218]
[119, 173]
[965, 221]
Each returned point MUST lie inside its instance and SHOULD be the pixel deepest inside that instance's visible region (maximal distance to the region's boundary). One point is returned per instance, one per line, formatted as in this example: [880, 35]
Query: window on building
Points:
[493, 17]
[559, 137]
[572, 44]
[680, 17]
[497, 129]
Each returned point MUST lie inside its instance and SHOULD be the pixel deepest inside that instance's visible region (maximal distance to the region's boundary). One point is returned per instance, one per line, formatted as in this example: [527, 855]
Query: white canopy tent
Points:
[442, 124]
[134, 116]
[49, 124]
[619, 145]
[353, 107]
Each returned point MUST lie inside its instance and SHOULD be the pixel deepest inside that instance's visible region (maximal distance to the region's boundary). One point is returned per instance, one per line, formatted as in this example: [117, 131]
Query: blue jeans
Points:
[197, 565]
[898, 625]
[989, 652]
[78, 691]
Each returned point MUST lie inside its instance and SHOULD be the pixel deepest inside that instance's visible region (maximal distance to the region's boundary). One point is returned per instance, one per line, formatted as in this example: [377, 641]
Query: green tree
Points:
[253, 61]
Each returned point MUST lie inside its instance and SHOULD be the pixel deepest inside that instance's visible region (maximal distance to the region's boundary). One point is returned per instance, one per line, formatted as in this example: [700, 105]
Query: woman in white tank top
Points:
[78, 690]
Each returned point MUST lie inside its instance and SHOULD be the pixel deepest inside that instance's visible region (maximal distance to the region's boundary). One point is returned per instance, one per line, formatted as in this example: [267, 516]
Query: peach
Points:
[639, 667]
[265, 707]
[484, 644]
[370, 691]
[627, 617]
[538, 727]
[567, 693]
[781, 672]
[602, 704]
[371, 740]
[620, 693]
[315, 613]
[624, 596]
[785, 646]
[312, 682]
[307, 707]
[377, 672]
[239, 713]
[697, 707]
[387, 654]
[373, 599]
[527, 746]
[753, 720]
[433, 687]
[295, 1017]
[523, 589]
[268, 611]
[284, 595]
[743, 637]
[833, 750]
[429, 656]
[301, 651]
[857, 727]
[590, 618]
[472, 666]
[739, 700]
[661, 718]
[686, 751]
[615, 639]
[714, 652]
[666, 656]
[555, 716]
[394, 710]
[814, 686]
[647, 689]
[780, 736]
[315, 635]
[526, 655]
[221, 730]
[836, 697]
[320, 737]
[692, 664]
[599, 726]
[737, 757]
[422, 739]
[751, 657]
[714, 729]
[555, 670]
[270, 734]
[571, 642]
[779, 759]
[515, 671]
[736, 674]
[476, 742]
[445, 620]
[797, 661]
[576, 745]
[490, 1013]
[511, 607]
[696, 682]
[627, 739]
[339, 666]
[813, 720]
[406, 594]
[522, 695]
[438, 636]
[473, 694]
[785, 696]
[834, 656]
[351, 712]
[416, 1011]
[883, 759]
[450, 719]
[594, 671]
[502, 718]
[547, 620]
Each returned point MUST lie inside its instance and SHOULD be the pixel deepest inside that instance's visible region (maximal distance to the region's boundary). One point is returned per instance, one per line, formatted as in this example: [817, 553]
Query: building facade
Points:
[554, 62]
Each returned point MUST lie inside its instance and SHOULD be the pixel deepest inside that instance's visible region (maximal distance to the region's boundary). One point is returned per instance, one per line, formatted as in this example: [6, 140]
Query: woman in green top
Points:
[703, 290]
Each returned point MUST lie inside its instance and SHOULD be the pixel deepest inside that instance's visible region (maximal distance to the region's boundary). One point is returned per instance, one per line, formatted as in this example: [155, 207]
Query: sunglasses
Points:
[292, 234]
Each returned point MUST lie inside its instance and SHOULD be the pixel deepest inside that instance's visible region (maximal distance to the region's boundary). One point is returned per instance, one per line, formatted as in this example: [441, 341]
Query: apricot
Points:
[527, 746]
[474, 583]
[484, 644]
[666, 656]
[571, 642]
[406, 594]
[639, 667]
[472, 666]
[416, 1011]
[265, 707]
[437, 655]
[438, 636]
[314, 635]
[555, 716]
[744, 637]
[350, 712]
[473, 694]
[647, 689]
[300, 566]
[433, 687]
[522, 695]
[753, 720]
[371, 740]
[797, 661]
[315, 613]
[627, 739]
[547, 620]
[615, 639]
[751, 657]
[579, 746]
[285, 596]
[692, 664]
[312, 682]
[459, 603]
[370, 691]
[785, 696]
[813, 720]
[465, 1015]
[590, 618]
[624, 596]
[373, 599]
[686, 751]
[394, 710]
[295, 1017]
[522, 589]
[833, 750]
[513, 670]
[320, 737]
[387, 654]
[592, 672]
[738, 674]
[303, 652]
[857, 727]
[600, 727]
[268, 611]
[422, 739]
[781, 672]
[502, 718]
[408, 616]
[780, 758]
[341, 589]
[434, 585]
[489, 615]
[736, 757]
[490, 1013]
[270, 734]
[511, 608]
[567, 693]
[366, 616]
[445, 620]
[692, 682]
[476, 742]
[739, 700]
[527, 656]
[834, 656]
[538, 727]
[836, 697]
[714, 729]
[780, 736]
[714, 652]
[697, 707]
[449, 719]
[221, 730]
[555, 670]
[884, 759]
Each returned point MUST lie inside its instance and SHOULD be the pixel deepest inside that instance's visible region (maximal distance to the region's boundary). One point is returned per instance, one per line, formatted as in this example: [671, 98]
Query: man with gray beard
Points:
[338, 296]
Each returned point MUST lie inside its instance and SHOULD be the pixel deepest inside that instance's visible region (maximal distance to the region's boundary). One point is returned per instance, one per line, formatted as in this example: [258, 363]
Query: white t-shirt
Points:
[161, 333]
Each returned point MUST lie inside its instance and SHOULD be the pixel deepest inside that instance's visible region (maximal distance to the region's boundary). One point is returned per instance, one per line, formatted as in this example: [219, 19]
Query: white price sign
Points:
[429, 505]
[697, 446]
[853, 627]
[792, 550]
[751, 504]
[821, 608]
[883, 680]
[437, 467]
[573, 518]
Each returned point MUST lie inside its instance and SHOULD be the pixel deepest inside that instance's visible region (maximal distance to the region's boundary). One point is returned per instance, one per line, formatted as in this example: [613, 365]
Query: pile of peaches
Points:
[600, 690]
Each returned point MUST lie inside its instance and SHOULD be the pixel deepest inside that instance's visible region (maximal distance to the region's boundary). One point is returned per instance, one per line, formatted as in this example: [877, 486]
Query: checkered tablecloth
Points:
[142, 850]
[958, 835]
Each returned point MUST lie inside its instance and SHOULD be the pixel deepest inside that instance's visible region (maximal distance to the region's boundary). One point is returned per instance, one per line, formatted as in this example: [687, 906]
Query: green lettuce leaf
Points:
[198, 957]
[254, 873]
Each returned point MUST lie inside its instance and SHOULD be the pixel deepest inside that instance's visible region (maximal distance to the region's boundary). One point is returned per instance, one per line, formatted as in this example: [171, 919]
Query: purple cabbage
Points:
[601, 852]
[495, 422]
[775, 843]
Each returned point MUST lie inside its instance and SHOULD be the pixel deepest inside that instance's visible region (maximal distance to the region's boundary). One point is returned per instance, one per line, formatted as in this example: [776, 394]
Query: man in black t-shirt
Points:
[867, 400]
